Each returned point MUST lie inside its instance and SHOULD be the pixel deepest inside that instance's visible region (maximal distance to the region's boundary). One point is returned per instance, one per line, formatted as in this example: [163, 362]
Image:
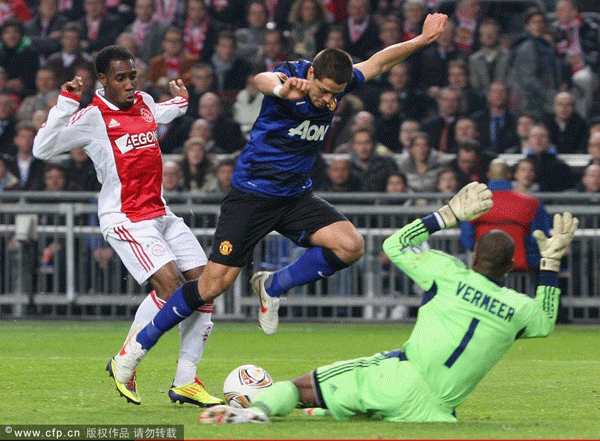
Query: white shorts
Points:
[145, 247]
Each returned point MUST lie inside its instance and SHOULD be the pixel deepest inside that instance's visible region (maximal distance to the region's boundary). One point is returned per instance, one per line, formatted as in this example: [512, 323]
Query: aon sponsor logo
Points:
[136, 141]
[310, 132]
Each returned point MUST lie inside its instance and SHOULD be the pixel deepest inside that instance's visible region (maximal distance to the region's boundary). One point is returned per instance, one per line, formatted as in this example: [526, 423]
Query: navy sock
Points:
[184, 301]
[314, 264]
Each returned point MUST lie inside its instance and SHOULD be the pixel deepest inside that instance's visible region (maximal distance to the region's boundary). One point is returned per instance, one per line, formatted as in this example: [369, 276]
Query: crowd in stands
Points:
[433, 123]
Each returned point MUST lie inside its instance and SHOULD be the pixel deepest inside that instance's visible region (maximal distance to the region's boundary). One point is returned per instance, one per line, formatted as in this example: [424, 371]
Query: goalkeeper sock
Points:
[180, 305]
[277, 400]
[314, 264]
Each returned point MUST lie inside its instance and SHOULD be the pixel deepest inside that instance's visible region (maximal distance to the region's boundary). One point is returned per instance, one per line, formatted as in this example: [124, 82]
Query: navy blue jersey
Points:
[284, 140]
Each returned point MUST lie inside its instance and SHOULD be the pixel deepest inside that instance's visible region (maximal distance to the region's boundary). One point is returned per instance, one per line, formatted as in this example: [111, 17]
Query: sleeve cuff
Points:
[433, 222]
[549, 278]
[70, 95]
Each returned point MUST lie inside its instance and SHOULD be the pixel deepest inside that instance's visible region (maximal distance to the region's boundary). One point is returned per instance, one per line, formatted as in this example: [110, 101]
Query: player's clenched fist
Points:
[75, 86]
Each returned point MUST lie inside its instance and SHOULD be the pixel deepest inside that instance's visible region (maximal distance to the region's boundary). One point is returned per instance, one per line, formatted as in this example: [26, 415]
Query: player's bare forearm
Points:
[266, 82]
[385, 59]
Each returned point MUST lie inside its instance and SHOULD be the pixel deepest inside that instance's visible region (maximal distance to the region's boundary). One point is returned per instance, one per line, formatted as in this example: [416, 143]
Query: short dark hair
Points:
[334, 64]
[469, 145]
[13, 22]
[532, 12]
[111, 53]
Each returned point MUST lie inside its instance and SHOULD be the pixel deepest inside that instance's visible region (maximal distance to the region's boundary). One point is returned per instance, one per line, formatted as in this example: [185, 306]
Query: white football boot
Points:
[268, 315]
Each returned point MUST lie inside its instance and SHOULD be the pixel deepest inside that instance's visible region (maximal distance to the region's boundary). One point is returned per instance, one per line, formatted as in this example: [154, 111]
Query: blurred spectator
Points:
[18, 58]
[231, 12]
[72, 9]
[247, 106]
[440, 128]
[200, 31]
[340, 177]
[226, 132]
[80, 171]
[46, 87]
[30, 170]
[536, 68]
[466, 19]
[335, 39]
[497, 127]
[361, 34]
[525, 122]
[447, 182]
[347, 108]
[252, 37]
[127, 40]
[201, 128]
[524, 177]
[18, 9]
[590, 181]
[202, 81]
[371, 169]
[567, 129]
[8, 181]
[387, 126]
[458, 78]
[434, 59]
[389, 34]
[172, 177]
[172, 64]
[471, 163]
[230, 70]
[491, 63]
[363, 120]
[222, 183]
[413, 103]
[421, 164]
[272, 52]
[45, 28]
[8, 122]
[551, 173]
[408, 129]
[593, 148]
[578, 45]
[39, 117]
[69, 55]
[309, 25]
[465, 130]
[99, 27]
[515, 213]
[147, 30]
[196, 166]
[414, 15]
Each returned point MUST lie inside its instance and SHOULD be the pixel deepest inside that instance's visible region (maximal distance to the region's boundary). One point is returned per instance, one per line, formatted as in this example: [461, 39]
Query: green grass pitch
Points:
[52, 372]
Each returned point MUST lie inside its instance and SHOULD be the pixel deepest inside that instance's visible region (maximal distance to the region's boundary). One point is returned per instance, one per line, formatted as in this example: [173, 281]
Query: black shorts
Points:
[246, 218]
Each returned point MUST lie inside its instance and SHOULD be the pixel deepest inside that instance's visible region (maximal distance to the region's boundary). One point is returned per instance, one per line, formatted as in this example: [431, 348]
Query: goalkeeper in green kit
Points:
[466, 322]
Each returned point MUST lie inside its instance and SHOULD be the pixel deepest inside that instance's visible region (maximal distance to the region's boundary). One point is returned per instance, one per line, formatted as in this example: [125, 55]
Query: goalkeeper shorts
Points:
[380, 386]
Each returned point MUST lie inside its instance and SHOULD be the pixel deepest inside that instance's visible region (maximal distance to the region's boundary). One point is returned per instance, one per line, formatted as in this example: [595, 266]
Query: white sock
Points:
[146, 311]
[194, 332]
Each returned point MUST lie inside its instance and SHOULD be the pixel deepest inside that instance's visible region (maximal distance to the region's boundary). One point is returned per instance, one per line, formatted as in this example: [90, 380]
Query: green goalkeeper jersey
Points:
[467, 321]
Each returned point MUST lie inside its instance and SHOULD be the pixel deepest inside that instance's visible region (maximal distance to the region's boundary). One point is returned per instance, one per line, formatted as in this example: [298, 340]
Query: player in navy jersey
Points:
[271, 190]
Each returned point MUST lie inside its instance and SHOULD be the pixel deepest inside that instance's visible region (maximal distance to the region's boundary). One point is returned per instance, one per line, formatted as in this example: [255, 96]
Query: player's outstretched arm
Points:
[385, 59]
[541, 317]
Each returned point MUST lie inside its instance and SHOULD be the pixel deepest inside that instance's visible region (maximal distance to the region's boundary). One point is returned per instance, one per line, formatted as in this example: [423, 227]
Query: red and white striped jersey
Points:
[123, 145]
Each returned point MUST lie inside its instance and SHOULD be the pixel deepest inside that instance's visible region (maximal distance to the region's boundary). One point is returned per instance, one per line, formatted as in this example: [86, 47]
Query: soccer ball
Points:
[244, 383]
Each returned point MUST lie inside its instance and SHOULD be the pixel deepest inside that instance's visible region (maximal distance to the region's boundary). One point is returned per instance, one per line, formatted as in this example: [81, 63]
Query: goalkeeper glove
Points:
[553, 248]
[469, 203]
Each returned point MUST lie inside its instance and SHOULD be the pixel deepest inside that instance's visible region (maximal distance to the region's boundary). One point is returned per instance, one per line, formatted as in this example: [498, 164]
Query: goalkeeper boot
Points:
[127, 389]
[268, 316]
[193, 393]
[232, 415]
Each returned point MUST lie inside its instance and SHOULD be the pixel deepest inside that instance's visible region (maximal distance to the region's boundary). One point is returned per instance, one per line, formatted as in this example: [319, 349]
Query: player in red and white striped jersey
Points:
[118, 131]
